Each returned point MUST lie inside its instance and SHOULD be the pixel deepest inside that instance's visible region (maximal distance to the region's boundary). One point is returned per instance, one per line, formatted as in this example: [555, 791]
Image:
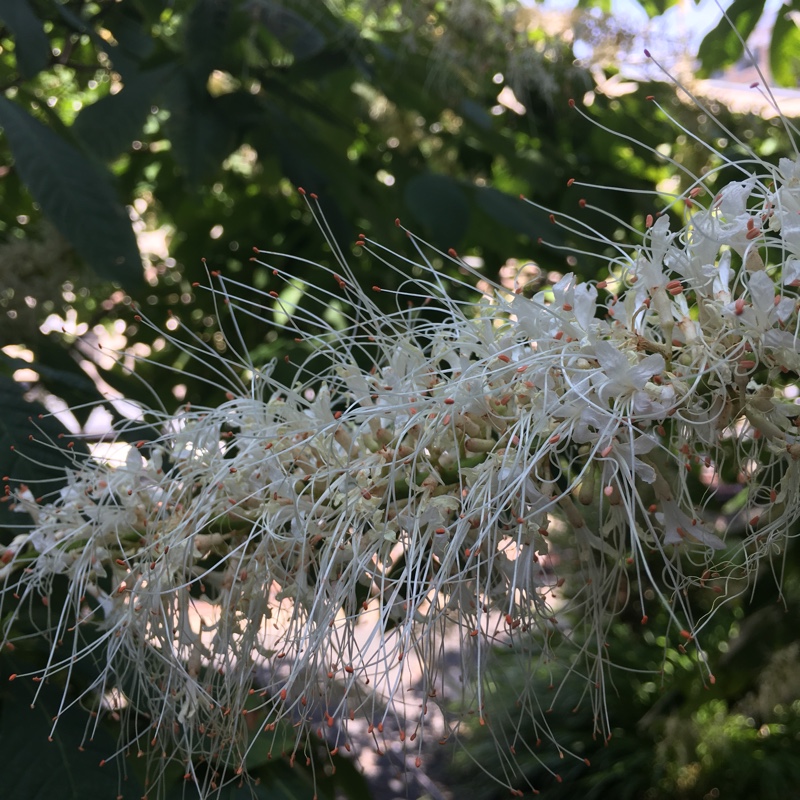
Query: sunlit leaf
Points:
[110, 125]
[603, 5]
[725, 44]
[784, 51]
[655, 8]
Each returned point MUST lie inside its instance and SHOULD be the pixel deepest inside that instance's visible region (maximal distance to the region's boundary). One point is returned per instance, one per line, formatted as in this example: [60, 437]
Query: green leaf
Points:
[282, 782]
[349, 779]
[276, 780]
[603, 5]
[65, 767]
[78, 25]
[31, 44]
[724, 45]
[784, 51]
[75, 195]
[292, 30]
[206, 28]
[295, 149]
[132, 33]
[438, 202]
[476, 114]
[655, 8]
[59, 374]
[514, 213]
[202, 133]
[39, 462]
[55, 375]
[110, 125]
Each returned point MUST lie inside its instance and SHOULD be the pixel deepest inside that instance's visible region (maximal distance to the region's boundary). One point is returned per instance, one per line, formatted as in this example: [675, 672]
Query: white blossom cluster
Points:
[505, 466]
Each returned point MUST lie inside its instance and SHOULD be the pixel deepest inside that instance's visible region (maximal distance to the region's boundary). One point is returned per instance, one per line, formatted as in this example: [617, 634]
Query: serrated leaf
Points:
[75, 195]
[32, 47]
[784, 51]
[724, 45]
[440, 205]
[110, 125]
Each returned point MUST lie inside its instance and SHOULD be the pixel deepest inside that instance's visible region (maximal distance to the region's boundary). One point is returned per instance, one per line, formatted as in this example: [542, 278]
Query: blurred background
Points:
[146, 142]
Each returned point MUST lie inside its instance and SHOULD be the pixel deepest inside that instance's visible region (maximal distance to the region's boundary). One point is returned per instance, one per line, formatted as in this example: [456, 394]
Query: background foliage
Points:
[145, 143]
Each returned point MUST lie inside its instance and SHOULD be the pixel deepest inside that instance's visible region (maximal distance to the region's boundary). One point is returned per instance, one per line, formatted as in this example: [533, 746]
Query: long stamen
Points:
[497, 463]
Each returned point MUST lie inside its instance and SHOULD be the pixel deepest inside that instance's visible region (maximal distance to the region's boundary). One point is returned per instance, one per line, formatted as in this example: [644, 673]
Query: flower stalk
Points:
[298, 554]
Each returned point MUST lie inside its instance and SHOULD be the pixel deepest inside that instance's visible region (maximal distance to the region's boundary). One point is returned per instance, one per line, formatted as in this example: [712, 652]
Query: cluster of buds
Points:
[499, 467]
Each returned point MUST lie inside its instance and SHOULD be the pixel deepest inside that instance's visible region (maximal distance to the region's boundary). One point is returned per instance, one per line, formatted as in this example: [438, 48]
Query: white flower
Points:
[624, 377]
[680, 528]
[285, 554]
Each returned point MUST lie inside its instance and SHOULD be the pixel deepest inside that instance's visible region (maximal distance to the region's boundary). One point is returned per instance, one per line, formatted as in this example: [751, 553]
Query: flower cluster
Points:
[504, 466]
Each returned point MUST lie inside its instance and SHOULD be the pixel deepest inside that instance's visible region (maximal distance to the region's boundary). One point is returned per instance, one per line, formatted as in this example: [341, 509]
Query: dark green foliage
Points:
[40, 464]
[74, 194]
[72, 759]
[44, 760]
[32, 45]
[675, 734]
[108, 126]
